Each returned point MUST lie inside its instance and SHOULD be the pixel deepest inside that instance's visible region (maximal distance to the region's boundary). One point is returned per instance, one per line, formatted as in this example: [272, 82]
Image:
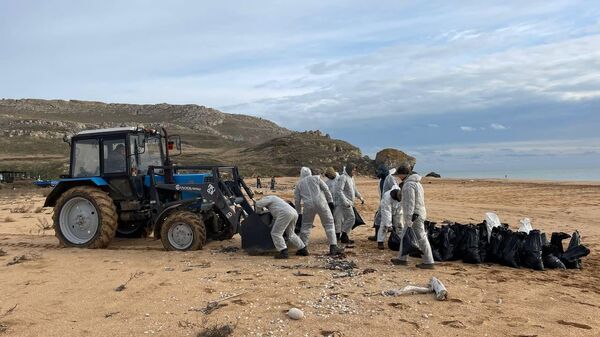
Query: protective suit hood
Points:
[305, 172]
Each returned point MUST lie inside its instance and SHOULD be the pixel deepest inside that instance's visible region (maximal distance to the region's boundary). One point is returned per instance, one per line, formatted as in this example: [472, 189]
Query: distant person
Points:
[258, 183]
[346, 193]
[117, 159]
[413, 209]
[284, 221]
[273, 183]
[312, 193]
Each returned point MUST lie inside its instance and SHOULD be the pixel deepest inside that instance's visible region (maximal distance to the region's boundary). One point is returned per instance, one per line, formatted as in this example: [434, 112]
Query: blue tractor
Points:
[122, 182]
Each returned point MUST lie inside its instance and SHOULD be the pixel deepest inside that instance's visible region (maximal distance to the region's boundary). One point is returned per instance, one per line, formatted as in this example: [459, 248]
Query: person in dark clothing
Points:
[258, 183]
[273, 183]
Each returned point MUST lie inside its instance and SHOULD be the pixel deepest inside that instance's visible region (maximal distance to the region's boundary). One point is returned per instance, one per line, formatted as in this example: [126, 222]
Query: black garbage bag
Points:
[434, 238]
[358, 220]
[531, 251]
[495, 246]
[460, 244]
[394, 240]
[410, 244]
[553, 262]
[471, 244]
[447, 243]
[511, 247]
[556, 243]
[575, 251]
[483, 241]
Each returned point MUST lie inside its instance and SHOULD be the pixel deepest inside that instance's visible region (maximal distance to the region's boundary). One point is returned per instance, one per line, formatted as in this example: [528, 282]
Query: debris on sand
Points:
[299, 273]
[17, 259]
[368, 271]
[454, 324]
[435, 286]
[217, 304]
[574, 324]
[2, 252]
[339, 264]
[4, 327]
[295, 314]
[217, 331]
[131, 277]
[229, 249]
[111, 314]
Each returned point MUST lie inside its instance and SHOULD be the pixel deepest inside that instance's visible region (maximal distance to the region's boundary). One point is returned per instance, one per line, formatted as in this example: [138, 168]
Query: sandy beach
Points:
[71, 292]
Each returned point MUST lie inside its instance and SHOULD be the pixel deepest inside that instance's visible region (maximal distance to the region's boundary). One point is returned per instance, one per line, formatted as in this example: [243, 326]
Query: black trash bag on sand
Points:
[470, 244]
[531, 251]
[575, 251]
[553, 262]
[434, 238]
[511, 247]
[460, 243]
[358, 220]
[483, 241]
[494, 252]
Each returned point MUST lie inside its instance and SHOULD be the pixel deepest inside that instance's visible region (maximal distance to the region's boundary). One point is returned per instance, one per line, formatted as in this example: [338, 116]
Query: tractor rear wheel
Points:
[85, 217]
[183, 230]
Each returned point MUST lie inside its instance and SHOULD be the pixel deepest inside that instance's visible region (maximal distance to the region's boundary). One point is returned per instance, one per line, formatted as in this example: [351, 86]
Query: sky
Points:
[462, 85]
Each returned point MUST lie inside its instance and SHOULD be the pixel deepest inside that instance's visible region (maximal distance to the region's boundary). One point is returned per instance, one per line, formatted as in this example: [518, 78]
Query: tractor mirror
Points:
[141, 142]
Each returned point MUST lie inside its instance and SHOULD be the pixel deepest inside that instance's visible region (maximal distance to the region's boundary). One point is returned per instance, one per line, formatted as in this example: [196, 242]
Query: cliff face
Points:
[32, 132]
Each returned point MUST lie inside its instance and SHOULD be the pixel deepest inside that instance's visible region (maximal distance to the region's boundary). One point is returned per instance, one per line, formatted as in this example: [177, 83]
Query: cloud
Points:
[496, 126]
[467, 128]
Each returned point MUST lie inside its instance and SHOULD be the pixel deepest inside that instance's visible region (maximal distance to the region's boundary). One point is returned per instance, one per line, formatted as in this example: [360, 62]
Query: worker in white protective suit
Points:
[284, 221]
[389, 210]
[346, 193]
[413, 208]
[386, 183]
[316, 197]
[332, 179]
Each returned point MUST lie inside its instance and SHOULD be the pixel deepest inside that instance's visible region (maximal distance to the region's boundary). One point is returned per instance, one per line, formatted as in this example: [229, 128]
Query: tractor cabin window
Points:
[86, 160]
[115, 156]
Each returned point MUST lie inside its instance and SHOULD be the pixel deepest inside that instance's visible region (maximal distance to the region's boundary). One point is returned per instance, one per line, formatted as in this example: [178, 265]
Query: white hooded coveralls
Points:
[413, 202]
[390, 213]
[315, 195]
[345, 194]
[284, 221]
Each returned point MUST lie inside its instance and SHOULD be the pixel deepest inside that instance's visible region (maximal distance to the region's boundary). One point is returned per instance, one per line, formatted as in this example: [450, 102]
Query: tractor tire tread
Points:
[107, 212]
[194, 220]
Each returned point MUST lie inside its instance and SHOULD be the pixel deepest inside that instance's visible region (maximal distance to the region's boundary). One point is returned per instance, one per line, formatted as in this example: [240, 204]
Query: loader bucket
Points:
[255, 231]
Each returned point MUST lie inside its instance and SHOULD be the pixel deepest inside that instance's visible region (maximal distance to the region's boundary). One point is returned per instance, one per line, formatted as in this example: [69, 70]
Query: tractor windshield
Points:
[151, 155]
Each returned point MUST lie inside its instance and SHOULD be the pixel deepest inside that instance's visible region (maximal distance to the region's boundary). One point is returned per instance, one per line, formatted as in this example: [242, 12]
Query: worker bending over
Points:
[284, 221]
[345, 194]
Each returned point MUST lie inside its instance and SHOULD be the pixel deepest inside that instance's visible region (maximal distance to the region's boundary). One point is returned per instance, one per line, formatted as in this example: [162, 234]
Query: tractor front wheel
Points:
[183, 230]
[85, 217]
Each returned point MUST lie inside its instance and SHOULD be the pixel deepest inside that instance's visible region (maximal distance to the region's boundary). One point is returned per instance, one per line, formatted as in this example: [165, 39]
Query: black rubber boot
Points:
[337, 236]
[380, 246]
[397, 262]
[425, 266]
[335, 250]
[345, 239]
[282, 255]
[302, 252]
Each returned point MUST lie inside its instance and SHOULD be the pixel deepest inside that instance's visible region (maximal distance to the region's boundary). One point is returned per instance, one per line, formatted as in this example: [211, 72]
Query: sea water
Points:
[577, 174]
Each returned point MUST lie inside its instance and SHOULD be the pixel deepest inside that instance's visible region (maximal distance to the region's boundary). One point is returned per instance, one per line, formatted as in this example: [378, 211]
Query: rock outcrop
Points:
[393, 158]
[433, 175]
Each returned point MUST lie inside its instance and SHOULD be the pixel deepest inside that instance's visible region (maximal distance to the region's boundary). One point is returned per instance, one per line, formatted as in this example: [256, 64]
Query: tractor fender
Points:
[66, 184]
[161, 218]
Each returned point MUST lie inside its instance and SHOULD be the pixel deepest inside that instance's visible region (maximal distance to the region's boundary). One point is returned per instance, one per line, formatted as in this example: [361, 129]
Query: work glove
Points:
[331, 206]
[415, 216]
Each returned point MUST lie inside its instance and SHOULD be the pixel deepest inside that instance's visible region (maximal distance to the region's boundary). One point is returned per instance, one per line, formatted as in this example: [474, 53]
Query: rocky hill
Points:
[32, 132]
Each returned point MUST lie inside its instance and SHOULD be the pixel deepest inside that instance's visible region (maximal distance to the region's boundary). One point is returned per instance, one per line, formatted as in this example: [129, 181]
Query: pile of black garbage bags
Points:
[472, 243]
